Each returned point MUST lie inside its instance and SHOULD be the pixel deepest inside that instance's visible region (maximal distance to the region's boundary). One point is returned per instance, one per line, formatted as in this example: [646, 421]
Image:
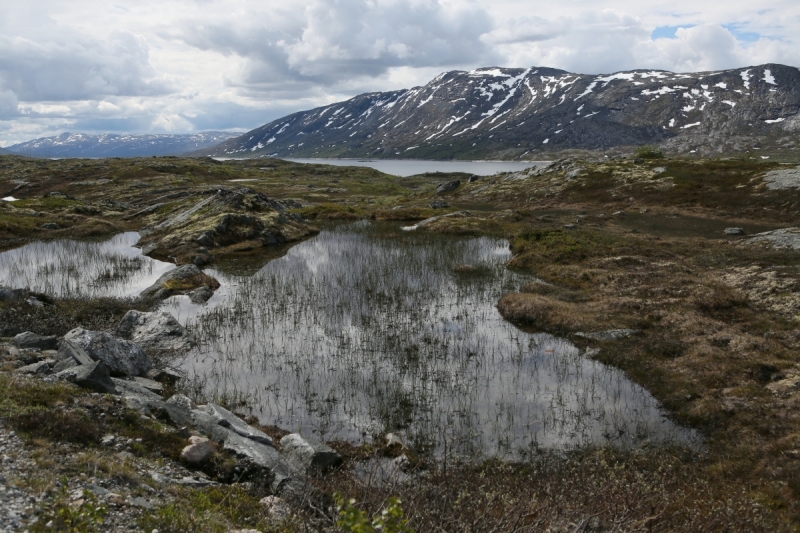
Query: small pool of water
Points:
[70, 268]
[411, 167]
[366, 329]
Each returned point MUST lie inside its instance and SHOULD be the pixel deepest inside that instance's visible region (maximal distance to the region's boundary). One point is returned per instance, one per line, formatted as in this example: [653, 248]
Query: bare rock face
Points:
[155, 332]
[224, 220]
[122, 357]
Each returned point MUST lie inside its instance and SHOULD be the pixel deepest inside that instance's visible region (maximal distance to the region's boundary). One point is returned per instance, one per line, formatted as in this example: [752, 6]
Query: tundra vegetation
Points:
[630, 244]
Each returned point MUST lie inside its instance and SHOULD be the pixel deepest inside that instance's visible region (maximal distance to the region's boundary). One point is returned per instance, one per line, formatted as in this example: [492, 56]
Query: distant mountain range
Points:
[509, 113]
[113, 145]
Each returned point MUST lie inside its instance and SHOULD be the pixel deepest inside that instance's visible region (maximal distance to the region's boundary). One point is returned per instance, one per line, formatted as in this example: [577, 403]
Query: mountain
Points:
[509, 113]
[112, 145]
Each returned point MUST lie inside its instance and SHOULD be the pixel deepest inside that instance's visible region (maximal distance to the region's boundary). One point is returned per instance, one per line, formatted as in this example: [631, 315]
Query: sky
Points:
[182, 66]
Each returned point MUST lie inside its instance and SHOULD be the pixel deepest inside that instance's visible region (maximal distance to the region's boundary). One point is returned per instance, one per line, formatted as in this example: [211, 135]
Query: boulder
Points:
[184, 401]
[29, 339]
[448, 186]
[199, 450]
[209, 426]
[70, 355]
[36, 368]
[94, 376]
[439, 204]
[156, 331]
[734, 231]
[229, 420]
[284, 476]
[149, 384]
[307, 455]
[201, 295]
[179, 281]
[122, 357]
[165, 375]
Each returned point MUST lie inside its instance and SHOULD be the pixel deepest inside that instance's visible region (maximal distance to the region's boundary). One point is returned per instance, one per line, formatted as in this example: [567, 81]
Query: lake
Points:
[410, 167]
[366, 329]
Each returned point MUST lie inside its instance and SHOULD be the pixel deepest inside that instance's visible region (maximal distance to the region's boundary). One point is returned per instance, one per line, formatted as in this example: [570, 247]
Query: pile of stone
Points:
[120, 365]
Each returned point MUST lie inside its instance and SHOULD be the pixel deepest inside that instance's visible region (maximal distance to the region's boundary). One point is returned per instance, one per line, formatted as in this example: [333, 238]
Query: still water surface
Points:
[366, 329]
[410, 167]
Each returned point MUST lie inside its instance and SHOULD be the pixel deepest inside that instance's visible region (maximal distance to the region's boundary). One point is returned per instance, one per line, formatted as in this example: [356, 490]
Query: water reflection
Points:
[68, 268]
[363, 330]
[366, 329]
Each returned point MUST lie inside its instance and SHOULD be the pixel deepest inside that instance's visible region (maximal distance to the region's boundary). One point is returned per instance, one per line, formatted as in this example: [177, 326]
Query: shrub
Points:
[648, 152]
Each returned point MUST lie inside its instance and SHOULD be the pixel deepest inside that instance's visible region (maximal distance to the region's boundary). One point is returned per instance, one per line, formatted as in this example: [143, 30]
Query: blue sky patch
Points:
[744, 36]
[666, 32]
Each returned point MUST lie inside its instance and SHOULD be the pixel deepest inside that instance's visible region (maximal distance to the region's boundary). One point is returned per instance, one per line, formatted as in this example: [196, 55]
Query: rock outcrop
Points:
[155, 332]
[225, 220]
[122, 357]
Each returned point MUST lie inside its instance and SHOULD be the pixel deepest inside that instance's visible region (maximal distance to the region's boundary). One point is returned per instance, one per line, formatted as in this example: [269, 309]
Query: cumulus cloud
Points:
[184, 65]
[329, 43]
[77, 68]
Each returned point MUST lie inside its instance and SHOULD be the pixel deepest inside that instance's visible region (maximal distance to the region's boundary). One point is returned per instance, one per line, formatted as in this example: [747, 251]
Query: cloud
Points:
[331, 43]
[78, 68]
[188, 65]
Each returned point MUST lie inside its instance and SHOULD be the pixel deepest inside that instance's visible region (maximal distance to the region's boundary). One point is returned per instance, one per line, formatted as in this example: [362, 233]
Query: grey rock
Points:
[180, 273]
[439, 204]
[165, 375]
[32, 301]
[283, 473]
[779, 238]
[201, 295]
[94, 376]
[156, 331]
[149, 384]
[734, 231]
[183, 401]
[123, 358]
[448, 186]
[307, 455]
[32, 340]
[50, 225]
[474, 178]
[12, 295]
[229, 420]
[36, 368]
[129, 389]
[209, 426]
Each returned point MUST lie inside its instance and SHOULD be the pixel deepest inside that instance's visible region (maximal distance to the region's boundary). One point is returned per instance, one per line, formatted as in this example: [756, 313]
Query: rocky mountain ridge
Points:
[118, 145]
[511, 113]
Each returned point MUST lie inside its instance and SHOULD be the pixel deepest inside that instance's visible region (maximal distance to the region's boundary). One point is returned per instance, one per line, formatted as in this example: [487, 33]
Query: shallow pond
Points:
[366, 329]
[69, 268]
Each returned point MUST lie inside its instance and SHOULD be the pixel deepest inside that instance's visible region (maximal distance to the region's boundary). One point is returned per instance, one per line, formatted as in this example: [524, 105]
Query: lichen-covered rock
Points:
[155, 332]
[225, 220]
[122, 357]
[181, 280]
